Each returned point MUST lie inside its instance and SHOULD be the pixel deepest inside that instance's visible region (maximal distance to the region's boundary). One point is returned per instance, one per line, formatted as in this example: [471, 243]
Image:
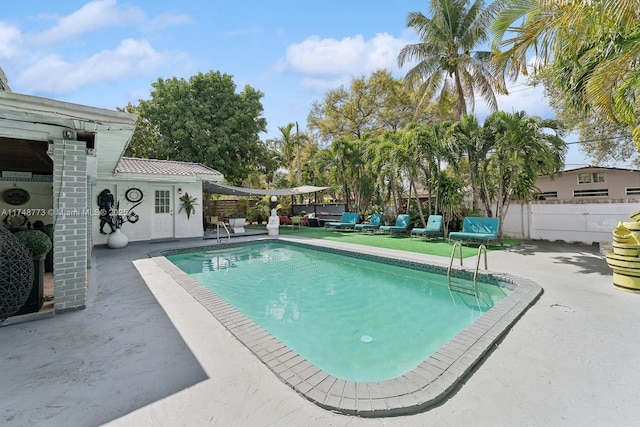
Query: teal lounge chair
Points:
[478, 229]
[401, 226]
[433, 228]
[348, 220]
[373, 225]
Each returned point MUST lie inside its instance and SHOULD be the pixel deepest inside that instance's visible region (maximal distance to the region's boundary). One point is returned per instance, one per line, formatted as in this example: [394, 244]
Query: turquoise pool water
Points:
[355, 319]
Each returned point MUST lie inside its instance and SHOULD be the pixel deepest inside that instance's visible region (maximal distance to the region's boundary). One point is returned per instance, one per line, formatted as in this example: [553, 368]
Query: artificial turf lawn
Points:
[438, 247]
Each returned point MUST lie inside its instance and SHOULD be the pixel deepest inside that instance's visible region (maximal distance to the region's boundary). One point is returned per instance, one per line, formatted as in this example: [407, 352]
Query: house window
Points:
[163, 202]
[591, 193]
[549, 195]
[588, 178]
[633, 191]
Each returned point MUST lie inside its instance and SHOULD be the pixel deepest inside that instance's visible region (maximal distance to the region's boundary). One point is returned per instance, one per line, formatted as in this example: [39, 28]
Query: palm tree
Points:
[287, 144]
[446, 57]
[451, 197]
[522, 148]
[379, 158]
[592, 47]
[408, 157]
[468, 140]
[345, 167]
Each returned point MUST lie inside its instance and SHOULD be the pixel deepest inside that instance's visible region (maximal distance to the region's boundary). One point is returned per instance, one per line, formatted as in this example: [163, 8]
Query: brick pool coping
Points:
[418, 390]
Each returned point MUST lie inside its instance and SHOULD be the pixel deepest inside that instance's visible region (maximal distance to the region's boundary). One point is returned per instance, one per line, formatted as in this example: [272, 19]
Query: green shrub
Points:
[48, 230]
[36, 241]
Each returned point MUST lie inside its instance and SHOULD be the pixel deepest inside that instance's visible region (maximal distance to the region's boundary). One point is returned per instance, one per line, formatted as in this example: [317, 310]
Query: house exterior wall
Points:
[143, 228]
[617, 182]
[192, 227]
[585, 222]
[71, 219]
[40, 204]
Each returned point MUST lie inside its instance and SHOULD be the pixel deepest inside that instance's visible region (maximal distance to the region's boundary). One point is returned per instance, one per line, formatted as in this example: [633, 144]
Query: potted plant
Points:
[38, 244]
[189, 204]
[259, 213]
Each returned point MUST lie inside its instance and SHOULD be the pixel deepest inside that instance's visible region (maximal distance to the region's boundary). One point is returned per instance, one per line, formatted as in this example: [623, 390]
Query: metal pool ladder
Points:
[220, 223]
[462, 287]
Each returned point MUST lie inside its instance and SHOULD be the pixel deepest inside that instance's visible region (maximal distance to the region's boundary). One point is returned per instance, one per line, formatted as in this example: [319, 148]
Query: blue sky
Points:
[106, 53]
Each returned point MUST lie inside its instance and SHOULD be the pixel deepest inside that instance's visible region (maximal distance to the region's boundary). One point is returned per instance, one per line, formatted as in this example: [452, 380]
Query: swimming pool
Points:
[355, 319]
[418, 389]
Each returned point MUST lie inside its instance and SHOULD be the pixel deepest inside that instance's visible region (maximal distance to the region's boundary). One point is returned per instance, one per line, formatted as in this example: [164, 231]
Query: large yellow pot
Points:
[620, 261]
[635, 216]
[626, 249]
[626, 283]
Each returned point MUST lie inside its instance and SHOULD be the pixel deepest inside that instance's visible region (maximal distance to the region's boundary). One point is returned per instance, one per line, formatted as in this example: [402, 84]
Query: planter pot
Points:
[237, 224]
[48, 262]
[117, 239]
[36, 297]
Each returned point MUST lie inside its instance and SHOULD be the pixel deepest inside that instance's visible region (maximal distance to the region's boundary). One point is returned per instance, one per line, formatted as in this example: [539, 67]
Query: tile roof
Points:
[602, 167]
[162, 167]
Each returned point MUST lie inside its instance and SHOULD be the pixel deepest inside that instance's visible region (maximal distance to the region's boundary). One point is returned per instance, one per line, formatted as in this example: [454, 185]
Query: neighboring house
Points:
[56, 157]
[591, 183]
[580, 205]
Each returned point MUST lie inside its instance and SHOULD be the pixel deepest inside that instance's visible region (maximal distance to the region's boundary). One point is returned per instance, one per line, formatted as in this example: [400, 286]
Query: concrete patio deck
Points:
[148, 354]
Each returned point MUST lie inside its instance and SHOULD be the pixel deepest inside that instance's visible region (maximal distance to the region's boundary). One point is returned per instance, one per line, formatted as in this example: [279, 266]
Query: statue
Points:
[274, 223]
[105, 204]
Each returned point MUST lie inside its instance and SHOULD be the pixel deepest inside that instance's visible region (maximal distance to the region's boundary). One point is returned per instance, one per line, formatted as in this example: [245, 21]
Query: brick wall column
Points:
[71, 225]
[90, 219]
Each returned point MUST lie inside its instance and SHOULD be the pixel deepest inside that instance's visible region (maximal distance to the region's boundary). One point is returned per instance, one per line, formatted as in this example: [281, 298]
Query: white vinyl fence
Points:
[570, 222]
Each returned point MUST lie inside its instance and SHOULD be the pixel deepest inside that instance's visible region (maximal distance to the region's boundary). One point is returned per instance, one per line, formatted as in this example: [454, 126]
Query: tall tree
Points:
[203, 120]
[592, 48]
[601, 139]
[448, 62]
[368, 106]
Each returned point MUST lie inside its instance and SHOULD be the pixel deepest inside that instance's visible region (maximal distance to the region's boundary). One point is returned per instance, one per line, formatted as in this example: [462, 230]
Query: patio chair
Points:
[401, 225]
[284, 220]
[477, 229]
[212, 221]
[296, 221]
[347, 221]
[433, 228]
[372, 225]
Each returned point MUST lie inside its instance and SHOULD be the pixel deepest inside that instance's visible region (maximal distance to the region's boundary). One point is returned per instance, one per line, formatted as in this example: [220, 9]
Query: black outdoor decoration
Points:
[16, 196]
[16, 274]
[134, 195]
[112, 217]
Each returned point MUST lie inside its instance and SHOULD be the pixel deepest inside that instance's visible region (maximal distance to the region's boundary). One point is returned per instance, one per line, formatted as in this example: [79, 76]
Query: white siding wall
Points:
[142, 230]
[570, 222]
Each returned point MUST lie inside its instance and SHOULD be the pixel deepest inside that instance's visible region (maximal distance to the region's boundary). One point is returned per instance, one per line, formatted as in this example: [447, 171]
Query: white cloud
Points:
[327, 63]
[91, 16]
[52, 74]
[54, 69]
[10, 41]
